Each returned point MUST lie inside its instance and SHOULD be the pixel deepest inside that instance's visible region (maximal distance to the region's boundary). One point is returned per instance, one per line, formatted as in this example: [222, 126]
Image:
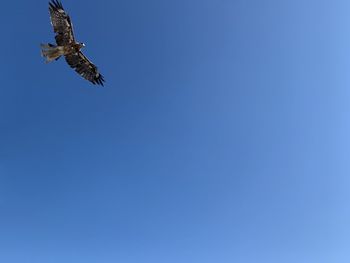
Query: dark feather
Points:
[85, 68]
[61, 23]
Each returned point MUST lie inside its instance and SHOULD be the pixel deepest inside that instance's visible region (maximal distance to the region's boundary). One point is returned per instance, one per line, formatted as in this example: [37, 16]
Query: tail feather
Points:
[51, 52]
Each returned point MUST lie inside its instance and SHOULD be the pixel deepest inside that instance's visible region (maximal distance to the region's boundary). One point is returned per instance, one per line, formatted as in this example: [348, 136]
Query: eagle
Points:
[67, 46]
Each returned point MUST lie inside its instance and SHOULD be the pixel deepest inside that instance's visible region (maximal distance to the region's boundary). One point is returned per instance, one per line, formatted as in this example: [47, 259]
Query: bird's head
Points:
[81, 45]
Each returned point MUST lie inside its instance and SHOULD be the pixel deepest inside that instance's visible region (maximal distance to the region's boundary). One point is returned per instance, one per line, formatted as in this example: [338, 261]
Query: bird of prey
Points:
[67, 46]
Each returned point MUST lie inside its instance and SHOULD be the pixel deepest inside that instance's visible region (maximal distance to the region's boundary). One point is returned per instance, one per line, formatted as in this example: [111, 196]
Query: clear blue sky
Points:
[222, 134]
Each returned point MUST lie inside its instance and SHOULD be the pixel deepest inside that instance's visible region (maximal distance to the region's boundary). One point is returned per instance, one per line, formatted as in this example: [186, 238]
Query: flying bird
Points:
[67, 46]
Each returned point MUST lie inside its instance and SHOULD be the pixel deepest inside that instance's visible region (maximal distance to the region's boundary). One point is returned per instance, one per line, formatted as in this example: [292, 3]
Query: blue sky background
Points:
[222, 134]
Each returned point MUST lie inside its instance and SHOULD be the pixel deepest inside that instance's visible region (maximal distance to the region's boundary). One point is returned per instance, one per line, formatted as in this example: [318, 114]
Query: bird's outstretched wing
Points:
[85, 67]
[61, 23]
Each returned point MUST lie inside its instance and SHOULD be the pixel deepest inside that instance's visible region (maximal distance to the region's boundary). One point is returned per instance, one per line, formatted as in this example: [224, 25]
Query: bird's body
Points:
[67, 46]
[52, 52]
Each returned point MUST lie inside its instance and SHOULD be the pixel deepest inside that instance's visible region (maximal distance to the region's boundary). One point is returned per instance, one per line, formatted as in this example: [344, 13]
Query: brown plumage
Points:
[67, 46]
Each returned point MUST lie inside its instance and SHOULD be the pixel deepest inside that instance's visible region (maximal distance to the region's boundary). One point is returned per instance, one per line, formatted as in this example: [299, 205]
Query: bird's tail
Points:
[51, 52]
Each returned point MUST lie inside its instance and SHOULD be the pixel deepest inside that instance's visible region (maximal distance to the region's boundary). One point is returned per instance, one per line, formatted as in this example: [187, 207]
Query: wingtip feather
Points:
[56, 5]
[100, 80]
